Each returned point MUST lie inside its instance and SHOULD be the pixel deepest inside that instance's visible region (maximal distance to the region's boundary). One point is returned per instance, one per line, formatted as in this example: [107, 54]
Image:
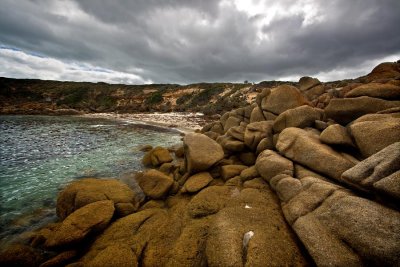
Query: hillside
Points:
[28, 96]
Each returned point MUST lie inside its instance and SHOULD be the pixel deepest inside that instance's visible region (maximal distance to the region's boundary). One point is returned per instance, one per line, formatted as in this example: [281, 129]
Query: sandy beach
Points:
[182, 121]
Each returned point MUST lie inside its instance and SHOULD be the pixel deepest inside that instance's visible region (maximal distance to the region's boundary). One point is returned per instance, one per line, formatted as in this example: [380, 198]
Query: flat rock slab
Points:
[85, 191]
[91, 218]
[378, 173]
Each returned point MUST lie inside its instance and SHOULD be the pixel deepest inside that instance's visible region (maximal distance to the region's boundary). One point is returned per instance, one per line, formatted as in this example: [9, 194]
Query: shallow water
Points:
[41, 154]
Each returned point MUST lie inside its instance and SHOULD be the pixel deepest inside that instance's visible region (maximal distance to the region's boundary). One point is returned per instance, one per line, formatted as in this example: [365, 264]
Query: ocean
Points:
[39, 155]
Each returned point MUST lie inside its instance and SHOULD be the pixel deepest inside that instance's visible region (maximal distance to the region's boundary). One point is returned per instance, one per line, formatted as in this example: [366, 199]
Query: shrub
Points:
[154, 98]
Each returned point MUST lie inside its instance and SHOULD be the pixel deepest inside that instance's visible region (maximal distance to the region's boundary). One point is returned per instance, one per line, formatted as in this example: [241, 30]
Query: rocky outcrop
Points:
[305, 148]
[374, 133]
[345, 110]
[300, 117]
[89, 190]
[379, 173]
[201, 152]
[378, 90]
[87, 220]
[255, 184]
[282, 98]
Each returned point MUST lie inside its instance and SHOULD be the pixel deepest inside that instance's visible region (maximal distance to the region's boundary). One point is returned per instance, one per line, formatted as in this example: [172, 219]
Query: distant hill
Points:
[32, 96]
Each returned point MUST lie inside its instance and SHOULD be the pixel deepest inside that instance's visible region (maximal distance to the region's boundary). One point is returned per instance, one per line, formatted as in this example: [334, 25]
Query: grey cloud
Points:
[182, 41]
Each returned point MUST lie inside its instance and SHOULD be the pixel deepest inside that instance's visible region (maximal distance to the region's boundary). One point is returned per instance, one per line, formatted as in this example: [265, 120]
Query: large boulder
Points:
[374, 133]
[155, 184]
[305, 148]
[378, 90]
[384, 70]
[282, 98]
[269, 164]
[156, 157]
[340, 229]
[87, 220]
[201, 152]
[345, 110]
[118, 236]
[256, 131]
[300, 117]
[197, 182]
[380, 172]
[306, 83]
[85, 191]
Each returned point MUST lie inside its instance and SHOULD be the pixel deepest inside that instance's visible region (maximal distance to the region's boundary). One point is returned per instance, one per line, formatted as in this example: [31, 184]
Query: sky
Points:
[187, 41]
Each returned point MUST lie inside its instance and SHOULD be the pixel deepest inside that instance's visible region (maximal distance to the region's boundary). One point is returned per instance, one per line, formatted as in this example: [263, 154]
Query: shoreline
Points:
[184, 122]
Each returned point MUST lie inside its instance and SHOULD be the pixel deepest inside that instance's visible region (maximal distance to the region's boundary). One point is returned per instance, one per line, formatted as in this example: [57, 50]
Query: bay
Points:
[39, 155]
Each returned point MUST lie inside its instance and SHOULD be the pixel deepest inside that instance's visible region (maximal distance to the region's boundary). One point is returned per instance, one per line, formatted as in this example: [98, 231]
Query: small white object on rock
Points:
[247, 207]
[246, 239]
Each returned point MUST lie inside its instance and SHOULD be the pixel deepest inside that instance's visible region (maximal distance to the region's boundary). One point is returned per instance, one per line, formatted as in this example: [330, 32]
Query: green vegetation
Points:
[205, 95]
[155, 98]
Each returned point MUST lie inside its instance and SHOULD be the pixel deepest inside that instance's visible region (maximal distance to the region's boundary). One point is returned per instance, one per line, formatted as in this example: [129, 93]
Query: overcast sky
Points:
[184, 41]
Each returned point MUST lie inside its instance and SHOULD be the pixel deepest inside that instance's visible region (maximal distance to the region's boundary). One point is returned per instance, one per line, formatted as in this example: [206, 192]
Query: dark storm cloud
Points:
[189, 41]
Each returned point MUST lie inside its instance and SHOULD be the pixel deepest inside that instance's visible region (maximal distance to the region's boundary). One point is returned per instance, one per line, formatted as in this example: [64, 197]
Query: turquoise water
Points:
[40, 154]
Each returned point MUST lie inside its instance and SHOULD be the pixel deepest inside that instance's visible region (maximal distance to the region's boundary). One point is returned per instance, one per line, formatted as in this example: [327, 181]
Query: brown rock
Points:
[248, 158]
[18, 255]
[61, 259]
[257, 115]
[336, 135]
[249, 173]
[85, 191]
[155, 184]
[377, 171]
[282, 98]
[197, 182]
[269, 164]
[339, 229]
[201, 152]
[300, 117]
[306, 83]
[89, 219]
[375, 134]
[305, 148]
[236, 132]
[229, 171]
[115, 255]
[384, 71]
[231, 144]
[211, 200]
[345, 110]
[255, 132]
[231, 122]
[378, 90]
[156, 157]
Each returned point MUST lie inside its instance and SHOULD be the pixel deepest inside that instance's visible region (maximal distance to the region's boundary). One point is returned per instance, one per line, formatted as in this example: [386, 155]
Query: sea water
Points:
[39, 155]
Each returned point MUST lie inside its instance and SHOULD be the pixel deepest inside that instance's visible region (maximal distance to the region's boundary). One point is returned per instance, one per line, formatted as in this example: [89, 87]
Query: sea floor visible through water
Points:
[39, 155]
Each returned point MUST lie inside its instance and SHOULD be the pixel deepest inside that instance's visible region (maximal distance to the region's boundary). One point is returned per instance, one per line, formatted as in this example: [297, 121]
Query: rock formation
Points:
[302, 176]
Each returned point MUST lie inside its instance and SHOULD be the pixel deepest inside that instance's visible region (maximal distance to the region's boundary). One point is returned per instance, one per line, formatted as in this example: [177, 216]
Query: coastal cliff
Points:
[305, 174]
